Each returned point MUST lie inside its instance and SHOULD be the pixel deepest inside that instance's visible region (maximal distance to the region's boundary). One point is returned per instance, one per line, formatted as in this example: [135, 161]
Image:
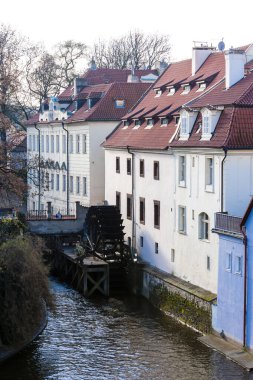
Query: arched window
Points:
[203, 226]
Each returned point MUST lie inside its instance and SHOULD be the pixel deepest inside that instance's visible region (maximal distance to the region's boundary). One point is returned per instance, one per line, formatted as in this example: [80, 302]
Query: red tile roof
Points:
[234, 128]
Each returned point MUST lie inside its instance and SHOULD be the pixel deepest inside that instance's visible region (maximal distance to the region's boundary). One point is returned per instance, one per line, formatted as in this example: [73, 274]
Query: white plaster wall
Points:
[238, 182]
[98, 132]
[190, 252]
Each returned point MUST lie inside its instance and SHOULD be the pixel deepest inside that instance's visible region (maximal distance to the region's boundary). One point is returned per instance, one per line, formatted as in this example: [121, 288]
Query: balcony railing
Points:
[227, 223]
[43, 215]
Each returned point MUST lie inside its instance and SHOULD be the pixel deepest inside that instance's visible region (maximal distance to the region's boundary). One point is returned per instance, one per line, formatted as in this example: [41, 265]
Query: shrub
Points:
[23, 287]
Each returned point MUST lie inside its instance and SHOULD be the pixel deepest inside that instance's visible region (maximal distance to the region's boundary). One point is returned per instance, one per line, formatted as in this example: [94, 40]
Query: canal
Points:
[124, 338]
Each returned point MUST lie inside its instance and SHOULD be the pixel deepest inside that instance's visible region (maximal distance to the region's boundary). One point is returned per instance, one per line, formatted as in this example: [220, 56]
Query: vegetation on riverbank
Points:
[23, 288]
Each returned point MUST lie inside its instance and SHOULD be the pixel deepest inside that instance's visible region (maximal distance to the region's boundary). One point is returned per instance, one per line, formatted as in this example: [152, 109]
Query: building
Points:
[232, 315]
[183, 153]
[63, 139]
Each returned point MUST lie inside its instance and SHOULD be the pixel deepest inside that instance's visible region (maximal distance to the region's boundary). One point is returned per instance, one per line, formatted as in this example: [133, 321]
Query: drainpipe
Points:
[222, 179]
[133, 199]
[39, 199]
[67, 166]
[245, 287]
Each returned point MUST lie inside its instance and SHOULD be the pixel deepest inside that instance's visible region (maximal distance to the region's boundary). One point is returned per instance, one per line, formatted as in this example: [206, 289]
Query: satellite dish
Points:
[221, 45]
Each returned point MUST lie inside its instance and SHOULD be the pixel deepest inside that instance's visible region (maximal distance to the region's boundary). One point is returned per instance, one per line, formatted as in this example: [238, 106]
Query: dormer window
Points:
[202, 86]
[150, 122]
[186, 89]
[137, 124]
[120, 103]
[177, 119]
[171, 91]
[164, 121]
[125, 124]
[158, 92]
[187, 120]
[210, 118]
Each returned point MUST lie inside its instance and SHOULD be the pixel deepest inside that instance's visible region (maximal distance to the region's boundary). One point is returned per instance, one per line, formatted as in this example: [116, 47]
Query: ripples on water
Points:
[115, 339]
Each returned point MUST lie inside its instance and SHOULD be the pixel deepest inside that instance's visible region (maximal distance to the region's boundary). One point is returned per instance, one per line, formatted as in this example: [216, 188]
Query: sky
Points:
[86, 21]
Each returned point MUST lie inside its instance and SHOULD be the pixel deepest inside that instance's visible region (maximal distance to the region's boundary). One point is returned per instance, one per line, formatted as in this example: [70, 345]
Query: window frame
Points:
[129, 166]
[117, 163]
[84, 148]
[129, 211]
[204, 226]
[142, 210]
[209, 174]
[142, 167]
[118, 200]
[182, 226]
[77, 185]
[157, 214]
[85, 186]
[182, 170]
[156, 170]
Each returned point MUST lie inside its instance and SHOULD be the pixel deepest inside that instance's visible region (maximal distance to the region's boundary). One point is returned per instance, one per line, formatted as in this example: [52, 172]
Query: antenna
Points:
[221, 45]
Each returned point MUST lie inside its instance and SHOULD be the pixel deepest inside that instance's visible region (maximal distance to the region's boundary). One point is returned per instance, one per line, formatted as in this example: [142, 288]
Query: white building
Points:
[65, 137]
[182, 154]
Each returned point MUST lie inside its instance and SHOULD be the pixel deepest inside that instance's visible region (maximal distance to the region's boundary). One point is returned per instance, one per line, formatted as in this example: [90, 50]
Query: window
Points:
[38, 143]
[172, 255]
[186, 89]
[164, 121]
[150, 122]
[57, 181]
[34, 144]
[84, 186]
[52, 181]
[203, 226]
[129, 166]
[208, 263]
[42, 144]
[137, 123]
[64, 182]
[142, 168]
[142, 210]
[158, 92]
[84, 144]
[117, 165]
[129, 206]
[184, 129]
[205, 125]
[129, 242]
[202, 87]
[238, 265]
[34, 206]
[182, 171]
[47, 143]
[47, 180]
[156, 170]
[30, 142]
[156, 248]
[182, 219]
[71, 184]
[52, 143]
[77, 143]
[77, 185]
[57, 143]
[71, 144]
[120, 103]
[141, 241]
[229, 261]
[125, 123]
[156, 214]
[64, 145]
[118, 200]
[209, 174]
[171, 91]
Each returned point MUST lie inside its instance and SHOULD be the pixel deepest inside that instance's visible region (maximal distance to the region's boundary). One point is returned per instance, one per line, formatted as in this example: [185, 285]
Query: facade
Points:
[232, 316]
[65, 138]
[182, 142]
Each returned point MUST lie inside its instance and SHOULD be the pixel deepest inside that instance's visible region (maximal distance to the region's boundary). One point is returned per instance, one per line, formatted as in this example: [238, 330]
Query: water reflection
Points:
[115, 339]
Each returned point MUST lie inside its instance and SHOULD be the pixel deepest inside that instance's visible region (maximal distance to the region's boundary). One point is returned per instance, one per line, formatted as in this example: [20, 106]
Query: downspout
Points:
[67, 166]
[133, 208]
[245, 287]
[222, 179]
[39, 199]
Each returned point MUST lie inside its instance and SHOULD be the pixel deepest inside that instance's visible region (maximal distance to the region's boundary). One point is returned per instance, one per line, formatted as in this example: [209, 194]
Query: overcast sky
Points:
[185, 21]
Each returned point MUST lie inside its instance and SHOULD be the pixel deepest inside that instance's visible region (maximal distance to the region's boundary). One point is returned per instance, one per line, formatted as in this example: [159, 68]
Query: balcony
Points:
[227, 224]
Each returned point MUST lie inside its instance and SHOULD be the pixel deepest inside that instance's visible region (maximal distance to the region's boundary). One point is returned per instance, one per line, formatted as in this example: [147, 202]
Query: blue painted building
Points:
[233, 314]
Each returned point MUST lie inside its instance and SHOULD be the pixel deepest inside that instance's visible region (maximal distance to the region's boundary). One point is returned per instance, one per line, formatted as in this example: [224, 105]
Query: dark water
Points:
[115, 339]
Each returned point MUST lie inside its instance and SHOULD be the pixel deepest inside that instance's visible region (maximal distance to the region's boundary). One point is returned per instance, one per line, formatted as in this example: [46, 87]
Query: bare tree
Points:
[68, 55]
[134, 49]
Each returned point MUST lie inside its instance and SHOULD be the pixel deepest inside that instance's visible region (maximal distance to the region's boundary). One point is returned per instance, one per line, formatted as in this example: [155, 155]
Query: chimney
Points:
[199, 55]
[79, 84]
[234, 66]
[93, 65]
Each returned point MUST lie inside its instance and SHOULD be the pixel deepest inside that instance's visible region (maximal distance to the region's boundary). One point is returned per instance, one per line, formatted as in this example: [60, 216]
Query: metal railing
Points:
[44, 215]
[228, 223]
